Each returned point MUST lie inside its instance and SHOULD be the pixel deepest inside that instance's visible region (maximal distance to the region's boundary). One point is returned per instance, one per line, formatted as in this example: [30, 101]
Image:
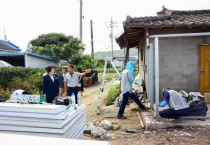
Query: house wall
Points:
[35, 62]
[141, 56]
[180, 60]
[118, 63]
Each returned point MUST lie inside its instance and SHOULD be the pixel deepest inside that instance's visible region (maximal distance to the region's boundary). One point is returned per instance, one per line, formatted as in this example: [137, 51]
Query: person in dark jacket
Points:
[50, 85]
[61, 81]
[81, 82]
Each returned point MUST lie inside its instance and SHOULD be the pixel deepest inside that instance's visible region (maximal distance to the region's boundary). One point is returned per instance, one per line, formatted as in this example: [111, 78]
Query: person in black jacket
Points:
[61, 81]
[50, 85]
[81, 82]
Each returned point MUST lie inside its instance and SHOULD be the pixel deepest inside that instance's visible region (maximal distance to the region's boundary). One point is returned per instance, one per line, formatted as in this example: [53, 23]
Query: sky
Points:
[24, 20]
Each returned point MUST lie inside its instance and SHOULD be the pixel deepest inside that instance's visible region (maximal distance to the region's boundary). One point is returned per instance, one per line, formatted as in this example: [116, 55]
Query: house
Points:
[13, 55]
[173, 48]
[120, 61]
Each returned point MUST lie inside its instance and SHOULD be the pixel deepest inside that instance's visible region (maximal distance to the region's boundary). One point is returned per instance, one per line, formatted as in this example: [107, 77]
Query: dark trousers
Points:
[49, 99]
[73, 90]
[174, 114]
[125, 101]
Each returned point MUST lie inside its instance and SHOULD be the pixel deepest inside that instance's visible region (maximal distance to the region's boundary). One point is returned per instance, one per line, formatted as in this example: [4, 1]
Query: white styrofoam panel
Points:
[67, 134]
[41, 129]
[12, 139]
[32, 108]
[37, 122]
[78, 133]
[58, 116]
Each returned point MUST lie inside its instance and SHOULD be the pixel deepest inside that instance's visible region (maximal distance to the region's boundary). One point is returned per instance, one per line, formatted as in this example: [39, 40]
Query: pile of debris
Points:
[43, 120]
[102, 129]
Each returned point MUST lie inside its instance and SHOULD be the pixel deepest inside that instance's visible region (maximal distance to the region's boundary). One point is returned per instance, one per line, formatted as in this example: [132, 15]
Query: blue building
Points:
[13, 55]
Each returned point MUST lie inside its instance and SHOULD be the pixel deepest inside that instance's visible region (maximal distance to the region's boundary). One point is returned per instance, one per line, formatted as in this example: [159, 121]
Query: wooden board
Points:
[11, 139]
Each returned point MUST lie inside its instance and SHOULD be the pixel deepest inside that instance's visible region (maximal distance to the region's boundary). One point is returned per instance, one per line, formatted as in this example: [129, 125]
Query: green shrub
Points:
[7, 74]
[113, 93]
[109, 70]
[13, 78]
[109, 76]
[5, 93]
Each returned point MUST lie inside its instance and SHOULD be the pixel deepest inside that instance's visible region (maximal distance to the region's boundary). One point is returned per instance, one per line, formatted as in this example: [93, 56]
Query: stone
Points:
[110, 136]
[96, 122]
[103, 137]
[116, 102]
[98, 132]
[90, 126]
[105, 124]
[147, 132]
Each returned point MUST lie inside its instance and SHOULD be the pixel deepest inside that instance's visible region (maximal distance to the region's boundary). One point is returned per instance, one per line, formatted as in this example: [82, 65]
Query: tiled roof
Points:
[171, 18]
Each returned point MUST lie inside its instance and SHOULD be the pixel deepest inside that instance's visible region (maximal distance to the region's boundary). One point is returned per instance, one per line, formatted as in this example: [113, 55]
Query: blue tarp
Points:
[10, 44]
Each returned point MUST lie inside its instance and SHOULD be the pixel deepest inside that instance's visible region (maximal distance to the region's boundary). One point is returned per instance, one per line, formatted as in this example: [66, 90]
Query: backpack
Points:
[198, 108]
[61, 101]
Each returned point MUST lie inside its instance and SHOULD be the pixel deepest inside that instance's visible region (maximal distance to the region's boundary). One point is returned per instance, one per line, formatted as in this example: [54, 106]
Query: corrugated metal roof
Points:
[28, 53]
[39, 55]
[10, 44]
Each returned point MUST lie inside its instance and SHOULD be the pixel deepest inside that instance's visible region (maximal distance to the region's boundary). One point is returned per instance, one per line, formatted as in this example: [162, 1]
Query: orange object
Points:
[89, 82]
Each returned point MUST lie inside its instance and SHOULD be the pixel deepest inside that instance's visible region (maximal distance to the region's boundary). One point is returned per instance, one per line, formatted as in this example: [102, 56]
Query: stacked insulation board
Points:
[43, 120]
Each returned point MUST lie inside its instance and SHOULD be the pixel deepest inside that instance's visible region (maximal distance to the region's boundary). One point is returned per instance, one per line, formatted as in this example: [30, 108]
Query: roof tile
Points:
[169, 18]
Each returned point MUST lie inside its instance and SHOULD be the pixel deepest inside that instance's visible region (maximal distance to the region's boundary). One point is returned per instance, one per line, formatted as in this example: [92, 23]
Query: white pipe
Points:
[181, 35]
[157, 77]
[151, 76]
[148, 85]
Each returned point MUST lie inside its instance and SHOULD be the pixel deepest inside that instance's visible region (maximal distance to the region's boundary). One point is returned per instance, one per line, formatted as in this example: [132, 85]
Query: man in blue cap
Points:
[127, 79]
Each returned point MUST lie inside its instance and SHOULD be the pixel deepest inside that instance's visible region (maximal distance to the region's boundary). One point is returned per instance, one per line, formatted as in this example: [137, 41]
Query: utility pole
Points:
[80, 19]
[91, 30]
[111, 25]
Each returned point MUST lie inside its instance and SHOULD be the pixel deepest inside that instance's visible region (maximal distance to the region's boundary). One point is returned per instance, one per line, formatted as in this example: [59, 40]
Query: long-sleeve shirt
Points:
[127, 79]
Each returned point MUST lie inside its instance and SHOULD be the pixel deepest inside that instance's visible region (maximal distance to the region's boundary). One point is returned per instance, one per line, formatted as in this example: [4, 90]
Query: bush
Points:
[5, 93]
[13, 78]
[109, 76]
[112, 95]
[7, 74]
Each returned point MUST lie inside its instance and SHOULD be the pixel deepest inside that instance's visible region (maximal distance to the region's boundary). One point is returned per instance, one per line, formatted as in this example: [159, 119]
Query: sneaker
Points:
[121, 117]
[145, 109]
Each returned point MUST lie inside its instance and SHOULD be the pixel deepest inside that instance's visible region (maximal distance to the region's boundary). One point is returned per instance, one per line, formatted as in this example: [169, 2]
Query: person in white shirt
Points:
[71, 81]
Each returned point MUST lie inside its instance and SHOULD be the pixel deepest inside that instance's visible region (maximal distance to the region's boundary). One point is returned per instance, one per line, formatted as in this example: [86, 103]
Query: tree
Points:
[58, 46]
[83, 61]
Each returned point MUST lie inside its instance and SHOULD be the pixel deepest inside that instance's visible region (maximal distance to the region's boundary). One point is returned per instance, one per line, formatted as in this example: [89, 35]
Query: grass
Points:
[109, 76]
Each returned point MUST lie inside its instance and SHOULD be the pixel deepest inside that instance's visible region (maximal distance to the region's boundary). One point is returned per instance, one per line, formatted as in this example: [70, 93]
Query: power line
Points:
[98, 36]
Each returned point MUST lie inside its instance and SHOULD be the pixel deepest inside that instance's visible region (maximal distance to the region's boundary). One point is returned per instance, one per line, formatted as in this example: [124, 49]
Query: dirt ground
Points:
[171, 136]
